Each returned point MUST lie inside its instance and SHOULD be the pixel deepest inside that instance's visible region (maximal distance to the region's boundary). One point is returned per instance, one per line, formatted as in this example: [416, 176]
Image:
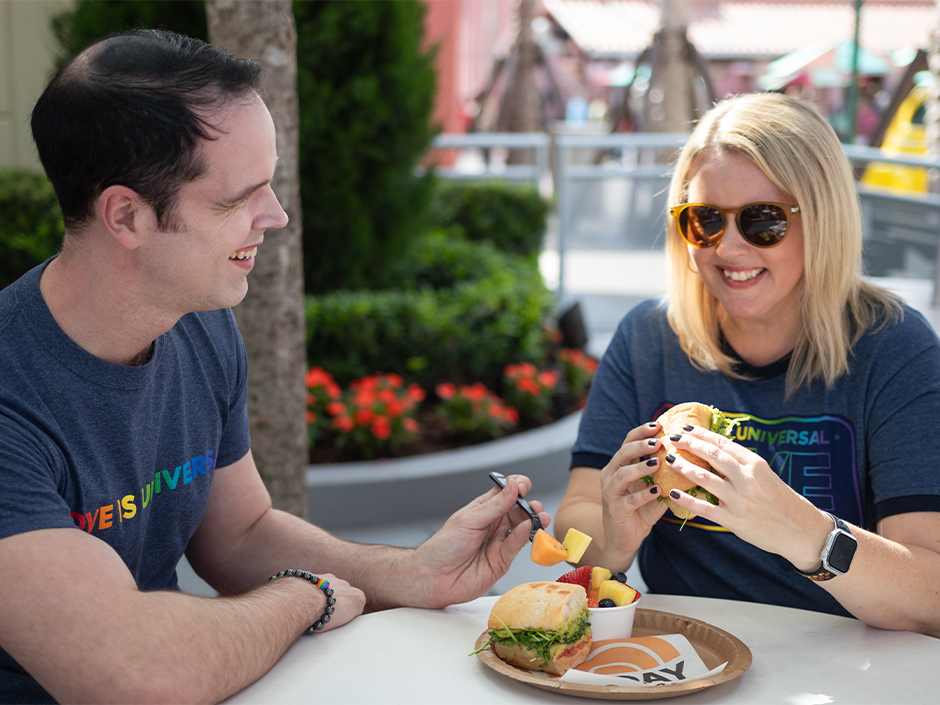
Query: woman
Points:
[768, 316]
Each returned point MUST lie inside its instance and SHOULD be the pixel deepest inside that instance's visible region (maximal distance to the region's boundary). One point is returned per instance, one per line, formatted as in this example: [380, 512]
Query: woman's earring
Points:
[688, 263]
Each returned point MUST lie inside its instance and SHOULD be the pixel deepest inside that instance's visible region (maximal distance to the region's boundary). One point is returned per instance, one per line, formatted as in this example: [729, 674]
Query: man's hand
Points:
[475, 547]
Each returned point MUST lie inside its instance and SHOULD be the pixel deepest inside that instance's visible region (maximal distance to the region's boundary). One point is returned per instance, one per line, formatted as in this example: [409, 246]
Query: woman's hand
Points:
[754, 503]
[629, 506]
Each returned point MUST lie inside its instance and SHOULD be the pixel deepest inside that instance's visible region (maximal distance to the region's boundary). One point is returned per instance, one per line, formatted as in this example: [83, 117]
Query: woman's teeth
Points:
[244, 254]
[742, 276]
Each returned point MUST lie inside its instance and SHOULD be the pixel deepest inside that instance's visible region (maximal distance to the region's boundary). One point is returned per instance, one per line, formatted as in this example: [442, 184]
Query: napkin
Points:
[643, 661]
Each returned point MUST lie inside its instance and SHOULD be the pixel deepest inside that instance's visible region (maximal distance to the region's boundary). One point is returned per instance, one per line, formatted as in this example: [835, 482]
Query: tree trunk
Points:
[271, 317]
[671, 103]
[522, 104]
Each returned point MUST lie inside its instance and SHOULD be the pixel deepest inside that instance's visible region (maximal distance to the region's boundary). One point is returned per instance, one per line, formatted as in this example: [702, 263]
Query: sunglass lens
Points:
[763, 224]
[701, 225]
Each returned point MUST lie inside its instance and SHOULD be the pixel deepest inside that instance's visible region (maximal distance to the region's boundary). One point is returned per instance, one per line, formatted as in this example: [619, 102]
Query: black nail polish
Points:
[654, 489]
[652, 462]
[652, 441]
[674, 494]
[652, 424]
[670, 458]
[688, 428]
[675, 437]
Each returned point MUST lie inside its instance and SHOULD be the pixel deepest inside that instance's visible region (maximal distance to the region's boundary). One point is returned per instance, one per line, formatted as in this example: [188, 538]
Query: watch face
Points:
[840, 556]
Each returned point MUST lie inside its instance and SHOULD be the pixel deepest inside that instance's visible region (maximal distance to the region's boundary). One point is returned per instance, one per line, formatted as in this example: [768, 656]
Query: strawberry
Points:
[592, 602]
[579, 576]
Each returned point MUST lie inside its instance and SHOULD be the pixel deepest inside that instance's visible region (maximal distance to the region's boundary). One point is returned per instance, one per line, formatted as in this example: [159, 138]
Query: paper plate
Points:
[715, 647]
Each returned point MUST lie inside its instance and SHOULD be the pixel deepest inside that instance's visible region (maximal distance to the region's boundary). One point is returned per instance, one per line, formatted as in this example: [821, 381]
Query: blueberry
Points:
[606, 602]
[619, 577]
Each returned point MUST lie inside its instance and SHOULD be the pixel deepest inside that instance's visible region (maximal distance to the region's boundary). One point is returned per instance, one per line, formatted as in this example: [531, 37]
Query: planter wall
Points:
[435, 484]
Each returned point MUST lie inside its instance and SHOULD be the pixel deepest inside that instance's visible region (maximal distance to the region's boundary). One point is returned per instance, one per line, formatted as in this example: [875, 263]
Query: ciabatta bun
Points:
[548, 606]
[672, 421]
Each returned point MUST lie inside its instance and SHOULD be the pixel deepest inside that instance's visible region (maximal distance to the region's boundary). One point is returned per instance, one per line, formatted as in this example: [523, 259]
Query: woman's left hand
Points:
[754, 503]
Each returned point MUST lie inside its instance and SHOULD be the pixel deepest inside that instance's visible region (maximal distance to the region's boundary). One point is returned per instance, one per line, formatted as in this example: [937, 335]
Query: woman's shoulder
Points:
[906, 334]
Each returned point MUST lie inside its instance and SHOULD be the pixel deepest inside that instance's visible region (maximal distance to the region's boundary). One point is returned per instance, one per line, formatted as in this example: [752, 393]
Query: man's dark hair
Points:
[131, 110]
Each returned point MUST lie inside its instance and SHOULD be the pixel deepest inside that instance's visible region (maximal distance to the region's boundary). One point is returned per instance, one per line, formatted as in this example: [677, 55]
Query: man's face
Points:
[203, 264]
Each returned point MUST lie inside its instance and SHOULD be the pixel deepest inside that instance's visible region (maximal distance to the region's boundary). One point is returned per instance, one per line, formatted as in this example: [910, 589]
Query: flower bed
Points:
[380, 416]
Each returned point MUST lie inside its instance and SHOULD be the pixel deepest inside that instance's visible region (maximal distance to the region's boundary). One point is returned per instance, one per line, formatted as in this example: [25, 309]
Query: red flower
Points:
[416, 393]
[410, 425]
[395, 380]
[343, 424]
[446, 390]
[474, 392]
[311, 417]
[512, 414]
[395, 408]
[335, 408]
[363, 416]
[548, 378]
[310, 399]
[317, 376]
[381, 428]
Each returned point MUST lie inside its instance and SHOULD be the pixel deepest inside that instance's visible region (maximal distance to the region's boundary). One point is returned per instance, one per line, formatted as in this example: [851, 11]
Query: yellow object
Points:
[905, 135]
[620, 593]
[576, 544]
[598, 575]
[546, 550]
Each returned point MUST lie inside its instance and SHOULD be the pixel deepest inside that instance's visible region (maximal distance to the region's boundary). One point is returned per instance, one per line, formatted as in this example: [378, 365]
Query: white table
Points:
[412, 656]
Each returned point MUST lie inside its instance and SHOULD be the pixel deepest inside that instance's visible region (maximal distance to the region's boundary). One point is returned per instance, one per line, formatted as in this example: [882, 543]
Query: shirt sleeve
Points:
[236, 439]
[904, 388]
[612, 408]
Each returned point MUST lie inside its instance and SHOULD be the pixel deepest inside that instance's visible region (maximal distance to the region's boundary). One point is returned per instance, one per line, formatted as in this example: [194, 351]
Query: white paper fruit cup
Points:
[613, 622]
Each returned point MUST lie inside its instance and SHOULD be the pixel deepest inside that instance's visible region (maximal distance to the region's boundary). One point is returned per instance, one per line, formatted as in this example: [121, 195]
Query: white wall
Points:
[27, 48]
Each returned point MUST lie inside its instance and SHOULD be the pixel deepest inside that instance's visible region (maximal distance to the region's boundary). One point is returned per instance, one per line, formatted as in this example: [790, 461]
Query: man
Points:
[123, 424]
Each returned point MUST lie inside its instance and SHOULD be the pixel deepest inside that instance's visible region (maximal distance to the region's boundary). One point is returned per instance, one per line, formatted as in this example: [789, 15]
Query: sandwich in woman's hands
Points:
[542, 626]
[671, 422]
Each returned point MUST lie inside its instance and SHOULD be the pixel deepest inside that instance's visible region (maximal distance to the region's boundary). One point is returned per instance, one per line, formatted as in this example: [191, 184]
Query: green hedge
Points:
[512, 217]
[491, 314]
[31, 226]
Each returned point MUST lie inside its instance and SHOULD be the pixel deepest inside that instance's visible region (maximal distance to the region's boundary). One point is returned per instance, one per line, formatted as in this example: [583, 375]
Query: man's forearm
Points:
[89, 635]
[278, 541]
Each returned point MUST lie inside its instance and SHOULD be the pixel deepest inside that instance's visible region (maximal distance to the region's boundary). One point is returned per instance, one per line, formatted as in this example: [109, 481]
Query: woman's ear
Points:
[125, 215]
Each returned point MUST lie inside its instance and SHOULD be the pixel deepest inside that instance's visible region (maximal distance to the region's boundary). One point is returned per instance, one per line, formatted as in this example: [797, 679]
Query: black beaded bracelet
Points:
[321, 583]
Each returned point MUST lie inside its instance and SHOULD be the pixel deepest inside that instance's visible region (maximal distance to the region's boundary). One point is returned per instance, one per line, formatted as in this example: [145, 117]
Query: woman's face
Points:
[753, 285]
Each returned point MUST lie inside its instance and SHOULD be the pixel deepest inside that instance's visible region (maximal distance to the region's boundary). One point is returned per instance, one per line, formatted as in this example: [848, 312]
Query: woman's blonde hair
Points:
[794, 146]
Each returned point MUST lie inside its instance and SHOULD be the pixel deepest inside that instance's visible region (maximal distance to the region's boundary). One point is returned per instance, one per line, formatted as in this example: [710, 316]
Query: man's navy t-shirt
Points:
[124, 453]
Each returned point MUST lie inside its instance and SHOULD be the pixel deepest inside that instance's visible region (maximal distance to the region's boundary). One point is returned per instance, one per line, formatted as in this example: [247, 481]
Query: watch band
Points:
[826, 571]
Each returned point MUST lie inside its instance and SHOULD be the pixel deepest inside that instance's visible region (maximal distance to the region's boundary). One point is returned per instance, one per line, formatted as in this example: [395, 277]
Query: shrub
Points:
[473, 412]
[31, 227]
[465, 333]
[366, 92]
[511, 217]
[529, 390]
[578, 368]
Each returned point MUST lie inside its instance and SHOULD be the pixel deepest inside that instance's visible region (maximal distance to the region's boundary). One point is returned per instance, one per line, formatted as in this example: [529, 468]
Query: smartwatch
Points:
[837, 553]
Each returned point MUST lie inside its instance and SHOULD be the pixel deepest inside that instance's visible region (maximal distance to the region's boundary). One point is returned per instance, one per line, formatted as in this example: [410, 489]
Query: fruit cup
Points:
[613, 622]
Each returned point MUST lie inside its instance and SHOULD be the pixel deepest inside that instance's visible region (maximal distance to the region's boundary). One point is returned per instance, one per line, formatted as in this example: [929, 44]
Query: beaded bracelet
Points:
[321, 583]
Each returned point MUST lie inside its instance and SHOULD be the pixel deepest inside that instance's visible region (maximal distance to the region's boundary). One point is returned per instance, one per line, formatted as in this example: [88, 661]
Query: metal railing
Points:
[649, 156]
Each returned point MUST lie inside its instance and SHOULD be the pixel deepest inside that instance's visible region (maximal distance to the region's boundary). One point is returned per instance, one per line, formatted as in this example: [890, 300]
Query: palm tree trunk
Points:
[271, 317]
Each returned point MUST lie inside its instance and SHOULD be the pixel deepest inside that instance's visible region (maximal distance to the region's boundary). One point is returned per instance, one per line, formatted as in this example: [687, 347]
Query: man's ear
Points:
[125, 215]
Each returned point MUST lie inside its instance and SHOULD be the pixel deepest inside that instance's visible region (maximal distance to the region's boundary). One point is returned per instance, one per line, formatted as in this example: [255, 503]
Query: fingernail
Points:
[674, 494]
[652, 424]
[688, 428]
[654, 489]
[670, 458]
[675, 437]
[652, 441]
[652, 461]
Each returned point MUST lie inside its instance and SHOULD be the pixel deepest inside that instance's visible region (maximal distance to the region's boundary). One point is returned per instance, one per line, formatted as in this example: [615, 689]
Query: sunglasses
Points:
[761, 224]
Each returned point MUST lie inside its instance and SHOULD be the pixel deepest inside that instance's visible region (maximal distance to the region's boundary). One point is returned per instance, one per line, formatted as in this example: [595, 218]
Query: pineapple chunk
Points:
[576, 544]
[599, 575]
[620, 593]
